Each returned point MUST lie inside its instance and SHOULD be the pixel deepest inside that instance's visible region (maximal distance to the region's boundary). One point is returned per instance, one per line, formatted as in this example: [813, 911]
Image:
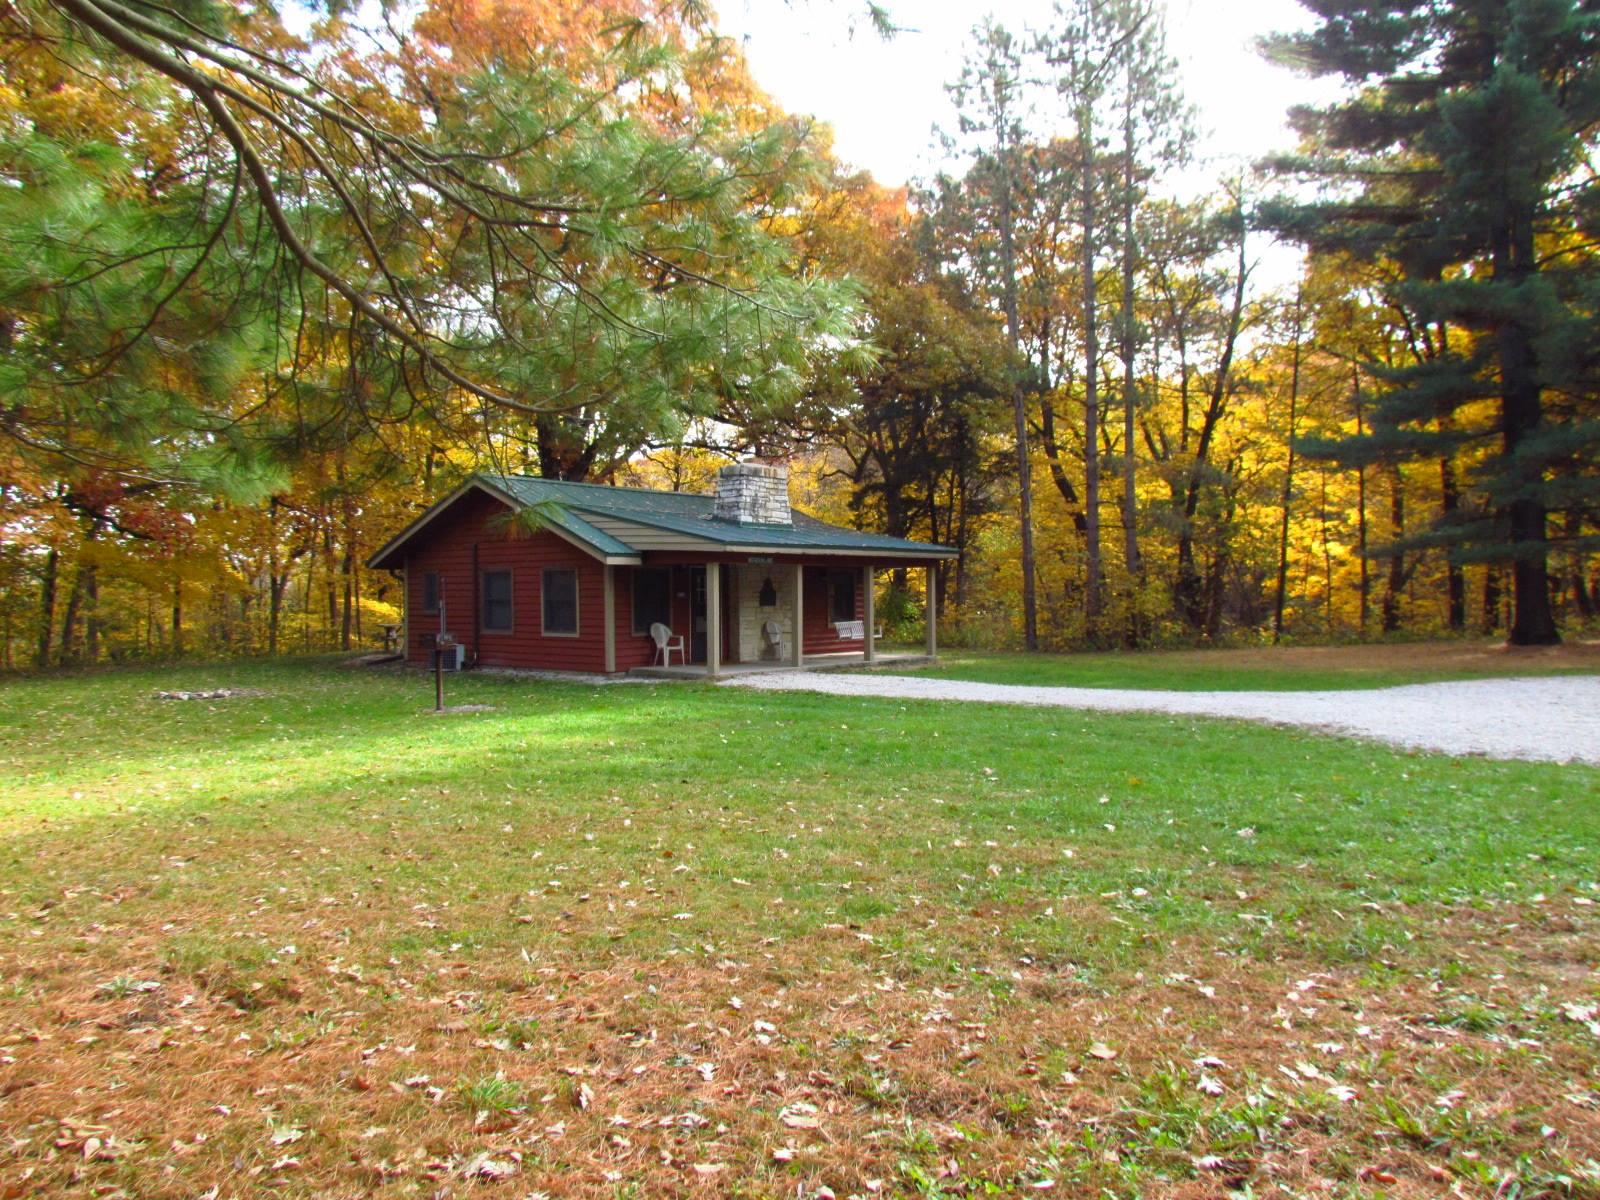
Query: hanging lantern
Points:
[769, 594]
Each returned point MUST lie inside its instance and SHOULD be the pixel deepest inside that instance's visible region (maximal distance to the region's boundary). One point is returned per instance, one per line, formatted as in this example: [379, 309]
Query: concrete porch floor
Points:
[813, 662]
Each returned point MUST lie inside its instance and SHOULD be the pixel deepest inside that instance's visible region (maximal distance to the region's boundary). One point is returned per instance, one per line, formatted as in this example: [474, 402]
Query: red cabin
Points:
[547, 575]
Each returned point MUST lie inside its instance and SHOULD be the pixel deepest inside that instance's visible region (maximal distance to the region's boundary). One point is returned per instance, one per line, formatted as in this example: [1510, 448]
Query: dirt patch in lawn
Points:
[1464, 1061]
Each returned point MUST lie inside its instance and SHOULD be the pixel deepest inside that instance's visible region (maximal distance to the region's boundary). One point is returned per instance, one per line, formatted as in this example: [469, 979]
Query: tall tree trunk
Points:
[1327, 555]
[330, 584]
[1288, 478]
[275, 582]
[1361, 515]
[1455, 576]
[68, 652]
[91, 617]
[177, 615]
[347, 602]
[1532, 622]
[82, 599]
[1019, 406]
[47, 607]
[310, 591]
[1397, 564]
[1491, 599]
[1130, 482]
[1091, 382]
[1190, 590]
[960, 539]
[347, 564]
[1058, 469]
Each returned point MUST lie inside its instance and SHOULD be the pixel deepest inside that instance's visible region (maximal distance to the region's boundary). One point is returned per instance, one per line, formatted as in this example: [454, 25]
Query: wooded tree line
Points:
[267, 292]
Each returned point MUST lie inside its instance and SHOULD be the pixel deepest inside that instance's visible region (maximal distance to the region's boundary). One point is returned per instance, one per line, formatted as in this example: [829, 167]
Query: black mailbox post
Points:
[443, 643]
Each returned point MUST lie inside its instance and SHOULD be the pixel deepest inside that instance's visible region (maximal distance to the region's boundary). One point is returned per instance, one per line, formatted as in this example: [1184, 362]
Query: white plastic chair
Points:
[771, 639]
[666, 644]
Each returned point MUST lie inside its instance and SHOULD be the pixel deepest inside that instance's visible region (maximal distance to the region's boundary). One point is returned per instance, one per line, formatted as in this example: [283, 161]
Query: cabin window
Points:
[842, 595]
[430, 592]
[560, 601]
[497, 602]
[652, 600]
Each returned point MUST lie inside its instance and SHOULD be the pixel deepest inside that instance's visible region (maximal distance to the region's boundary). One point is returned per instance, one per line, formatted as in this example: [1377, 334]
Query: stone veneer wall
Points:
[753, 494]
[746, 591]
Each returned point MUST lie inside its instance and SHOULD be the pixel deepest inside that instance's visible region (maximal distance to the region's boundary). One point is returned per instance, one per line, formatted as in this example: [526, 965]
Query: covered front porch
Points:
[765, 614]
[812, 662]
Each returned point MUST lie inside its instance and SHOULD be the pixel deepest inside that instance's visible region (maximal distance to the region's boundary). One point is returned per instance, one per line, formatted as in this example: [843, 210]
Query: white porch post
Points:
[932, 609]
[713, 619]
[797, 652]
[611, 619]
[870, 652]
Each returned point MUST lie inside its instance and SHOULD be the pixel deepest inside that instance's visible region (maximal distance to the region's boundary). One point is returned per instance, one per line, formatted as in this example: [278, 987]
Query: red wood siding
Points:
[470, 538]
[446, 547]
[820, 636]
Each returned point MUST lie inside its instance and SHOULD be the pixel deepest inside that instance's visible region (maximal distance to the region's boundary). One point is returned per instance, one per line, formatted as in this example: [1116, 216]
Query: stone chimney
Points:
[753, 494]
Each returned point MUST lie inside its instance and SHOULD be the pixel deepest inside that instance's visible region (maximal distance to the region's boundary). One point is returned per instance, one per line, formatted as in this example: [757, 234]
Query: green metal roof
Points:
[559, 515]
[691, 515]
[565, 507]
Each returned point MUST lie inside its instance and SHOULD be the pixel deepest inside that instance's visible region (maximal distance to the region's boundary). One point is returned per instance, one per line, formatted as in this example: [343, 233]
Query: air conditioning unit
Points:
[451, 655]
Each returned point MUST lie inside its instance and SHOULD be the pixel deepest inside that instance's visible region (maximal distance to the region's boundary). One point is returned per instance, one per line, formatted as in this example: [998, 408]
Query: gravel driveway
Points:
[1551, 719]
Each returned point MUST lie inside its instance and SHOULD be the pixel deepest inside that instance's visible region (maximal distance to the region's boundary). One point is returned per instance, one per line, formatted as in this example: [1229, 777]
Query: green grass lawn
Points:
[1296, 668]
[641, 939]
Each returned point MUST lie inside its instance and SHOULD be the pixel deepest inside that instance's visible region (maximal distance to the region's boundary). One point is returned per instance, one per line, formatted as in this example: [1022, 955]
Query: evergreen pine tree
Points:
[1460, 157]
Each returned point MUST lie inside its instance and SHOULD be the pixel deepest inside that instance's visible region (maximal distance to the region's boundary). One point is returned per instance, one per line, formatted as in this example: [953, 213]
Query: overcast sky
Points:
[883, 97]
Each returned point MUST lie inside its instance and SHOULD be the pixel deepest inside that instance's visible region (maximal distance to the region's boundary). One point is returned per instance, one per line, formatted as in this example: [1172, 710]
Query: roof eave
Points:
[394, 547]
[378, 561]
[913, 552]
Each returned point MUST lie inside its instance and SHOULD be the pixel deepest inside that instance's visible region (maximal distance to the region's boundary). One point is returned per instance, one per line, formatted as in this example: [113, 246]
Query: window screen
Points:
[652, 599]
[430, 592]
[842, 595]
[497, 601]
[560, 594]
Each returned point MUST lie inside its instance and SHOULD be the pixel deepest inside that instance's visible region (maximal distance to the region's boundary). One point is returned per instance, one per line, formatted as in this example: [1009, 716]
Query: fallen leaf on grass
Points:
[1102, 1051]
[688, 1120]
[800, 1116]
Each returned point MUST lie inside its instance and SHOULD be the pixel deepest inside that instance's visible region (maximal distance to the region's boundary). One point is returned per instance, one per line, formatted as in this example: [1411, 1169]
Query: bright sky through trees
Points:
[882, 98]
